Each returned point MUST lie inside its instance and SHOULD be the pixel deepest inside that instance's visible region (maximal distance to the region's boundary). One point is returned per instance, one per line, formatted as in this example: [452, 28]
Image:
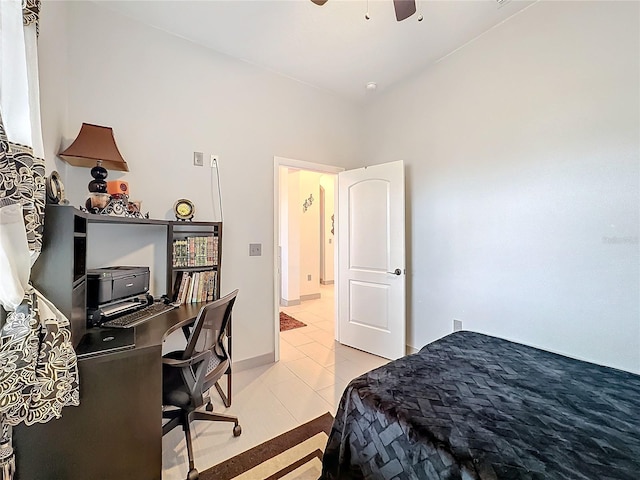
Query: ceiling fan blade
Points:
[319, 2]
[404, 8]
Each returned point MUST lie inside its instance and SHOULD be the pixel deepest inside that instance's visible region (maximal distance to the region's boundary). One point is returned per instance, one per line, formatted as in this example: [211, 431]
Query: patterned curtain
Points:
[31, 13]
[38, 369]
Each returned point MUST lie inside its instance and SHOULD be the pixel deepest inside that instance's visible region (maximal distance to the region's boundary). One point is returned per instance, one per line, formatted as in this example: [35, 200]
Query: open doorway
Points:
[305, 238]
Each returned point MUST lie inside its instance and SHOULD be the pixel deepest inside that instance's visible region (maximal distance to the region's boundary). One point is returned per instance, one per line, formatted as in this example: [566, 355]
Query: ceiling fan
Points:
[404, 8]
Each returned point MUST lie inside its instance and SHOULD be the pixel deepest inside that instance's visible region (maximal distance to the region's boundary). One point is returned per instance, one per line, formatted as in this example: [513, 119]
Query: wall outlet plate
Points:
[457, 325]
[214, 161]
[255, 249]
[198, 159]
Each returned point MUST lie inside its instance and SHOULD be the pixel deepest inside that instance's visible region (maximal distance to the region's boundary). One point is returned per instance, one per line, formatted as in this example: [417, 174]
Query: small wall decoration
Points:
[307, 203]
[55, 189]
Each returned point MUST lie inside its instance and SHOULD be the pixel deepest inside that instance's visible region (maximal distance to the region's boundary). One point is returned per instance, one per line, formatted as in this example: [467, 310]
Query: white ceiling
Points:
[331, 47]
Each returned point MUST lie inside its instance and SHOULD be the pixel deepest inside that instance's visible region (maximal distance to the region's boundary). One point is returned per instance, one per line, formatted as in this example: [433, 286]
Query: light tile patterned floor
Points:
[307, 381]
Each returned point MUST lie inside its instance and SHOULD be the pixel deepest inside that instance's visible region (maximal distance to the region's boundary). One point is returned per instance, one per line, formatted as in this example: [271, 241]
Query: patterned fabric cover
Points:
[38, 370]
[38, 366]
[22, 180]
[31, 13]
[470, 406]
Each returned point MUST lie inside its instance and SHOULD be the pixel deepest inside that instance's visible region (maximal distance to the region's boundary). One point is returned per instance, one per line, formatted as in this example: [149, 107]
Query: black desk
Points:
[116, 432]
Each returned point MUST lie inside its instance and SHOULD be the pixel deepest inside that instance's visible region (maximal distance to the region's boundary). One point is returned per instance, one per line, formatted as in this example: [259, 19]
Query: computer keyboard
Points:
[139, 316]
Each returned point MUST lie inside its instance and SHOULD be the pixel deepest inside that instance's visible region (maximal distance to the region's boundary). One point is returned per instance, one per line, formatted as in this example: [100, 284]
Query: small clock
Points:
[184, 209]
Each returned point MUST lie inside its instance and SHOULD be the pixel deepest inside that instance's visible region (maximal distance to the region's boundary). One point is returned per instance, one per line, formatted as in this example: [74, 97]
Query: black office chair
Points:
[187, 375]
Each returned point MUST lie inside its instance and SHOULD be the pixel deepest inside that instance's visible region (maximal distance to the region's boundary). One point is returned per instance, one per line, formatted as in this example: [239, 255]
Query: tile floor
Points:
[307, 381]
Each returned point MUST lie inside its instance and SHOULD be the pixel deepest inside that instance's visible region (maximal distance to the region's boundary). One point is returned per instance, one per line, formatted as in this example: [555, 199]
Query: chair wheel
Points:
[237, 430]
[193, 474]
[209, 407]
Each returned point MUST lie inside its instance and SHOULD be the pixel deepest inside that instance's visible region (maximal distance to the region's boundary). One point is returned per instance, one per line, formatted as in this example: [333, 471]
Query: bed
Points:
[471, 406]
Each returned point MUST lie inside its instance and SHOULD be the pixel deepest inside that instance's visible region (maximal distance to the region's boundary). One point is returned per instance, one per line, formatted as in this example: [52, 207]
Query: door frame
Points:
[302, 165]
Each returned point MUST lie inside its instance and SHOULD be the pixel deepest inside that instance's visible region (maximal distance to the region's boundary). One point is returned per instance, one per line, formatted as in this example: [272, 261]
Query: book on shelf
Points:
[195, 287]
[203, 276]
[196, 284]
[188, 287]
[177, 285]
[192, 282]
[201, 251]
[184, 288]
[211, 286]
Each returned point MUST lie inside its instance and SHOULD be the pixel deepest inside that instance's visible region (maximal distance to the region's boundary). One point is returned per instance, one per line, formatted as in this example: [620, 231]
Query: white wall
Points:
[166, 98]
[299, 234]
[521, 153]
[309, 233]
[291, 249]
[327, 182]
[53, 68]
[283, 234]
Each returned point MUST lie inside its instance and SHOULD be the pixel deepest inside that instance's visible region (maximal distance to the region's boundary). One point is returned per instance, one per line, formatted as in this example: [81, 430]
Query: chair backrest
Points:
[208, 334]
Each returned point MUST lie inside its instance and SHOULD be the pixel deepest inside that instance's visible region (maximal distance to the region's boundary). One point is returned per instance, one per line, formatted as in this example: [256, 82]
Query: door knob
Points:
[397, 271]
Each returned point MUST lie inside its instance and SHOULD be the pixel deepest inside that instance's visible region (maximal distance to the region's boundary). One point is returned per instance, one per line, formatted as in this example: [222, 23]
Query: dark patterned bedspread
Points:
[470, 406]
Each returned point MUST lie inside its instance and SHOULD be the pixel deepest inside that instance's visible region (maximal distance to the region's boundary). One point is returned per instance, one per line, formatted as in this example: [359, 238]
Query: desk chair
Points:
[187, 375]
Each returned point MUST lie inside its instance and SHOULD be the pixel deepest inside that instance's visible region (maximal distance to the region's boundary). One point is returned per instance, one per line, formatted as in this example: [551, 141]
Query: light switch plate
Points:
[198, 159]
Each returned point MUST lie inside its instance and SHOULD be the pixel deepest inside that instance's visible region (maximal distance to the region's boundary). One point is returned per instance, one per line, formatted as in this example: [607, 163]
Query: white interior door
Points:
[371, 259]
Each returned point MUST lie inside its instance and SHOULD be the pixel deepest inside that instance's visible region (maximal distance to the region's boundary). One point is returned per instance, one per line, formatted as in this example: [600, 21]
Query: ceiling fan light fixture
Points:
[403, 8]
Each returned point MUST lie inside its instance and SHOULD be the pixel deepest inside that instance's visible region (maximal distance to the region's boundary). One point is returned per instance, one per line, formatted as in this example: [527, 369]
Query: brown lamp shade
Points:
[92, 144]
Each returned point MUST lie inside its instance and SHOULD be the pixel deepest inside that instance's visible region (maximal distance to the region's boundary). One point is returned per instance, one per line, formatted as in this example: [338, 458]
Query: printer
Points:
[114, 291]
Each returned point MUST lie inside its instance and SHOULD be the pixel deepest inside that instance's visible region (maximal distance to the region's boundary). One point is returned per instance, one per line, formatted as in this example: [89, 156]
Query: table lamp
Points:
[95, 147]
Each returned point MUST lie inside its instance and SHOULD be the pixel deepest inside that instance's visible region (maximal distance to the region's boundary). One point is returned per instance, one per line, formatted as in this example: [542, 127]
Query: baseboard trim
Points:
[326, 282]
[289, 303]
[311, 296]
[410, 349]
[303, 298]
[253, 362]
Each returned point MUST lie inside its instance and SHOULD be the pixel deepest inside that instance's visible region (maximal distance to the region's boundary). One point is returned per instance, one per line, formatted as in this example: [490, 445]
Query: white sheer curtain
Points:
[19, 88]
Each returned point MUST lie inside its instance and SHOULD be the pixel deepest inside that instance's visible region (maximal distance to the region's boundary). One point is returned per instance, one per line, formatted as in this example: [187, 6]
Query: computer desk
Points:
[116, 432]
